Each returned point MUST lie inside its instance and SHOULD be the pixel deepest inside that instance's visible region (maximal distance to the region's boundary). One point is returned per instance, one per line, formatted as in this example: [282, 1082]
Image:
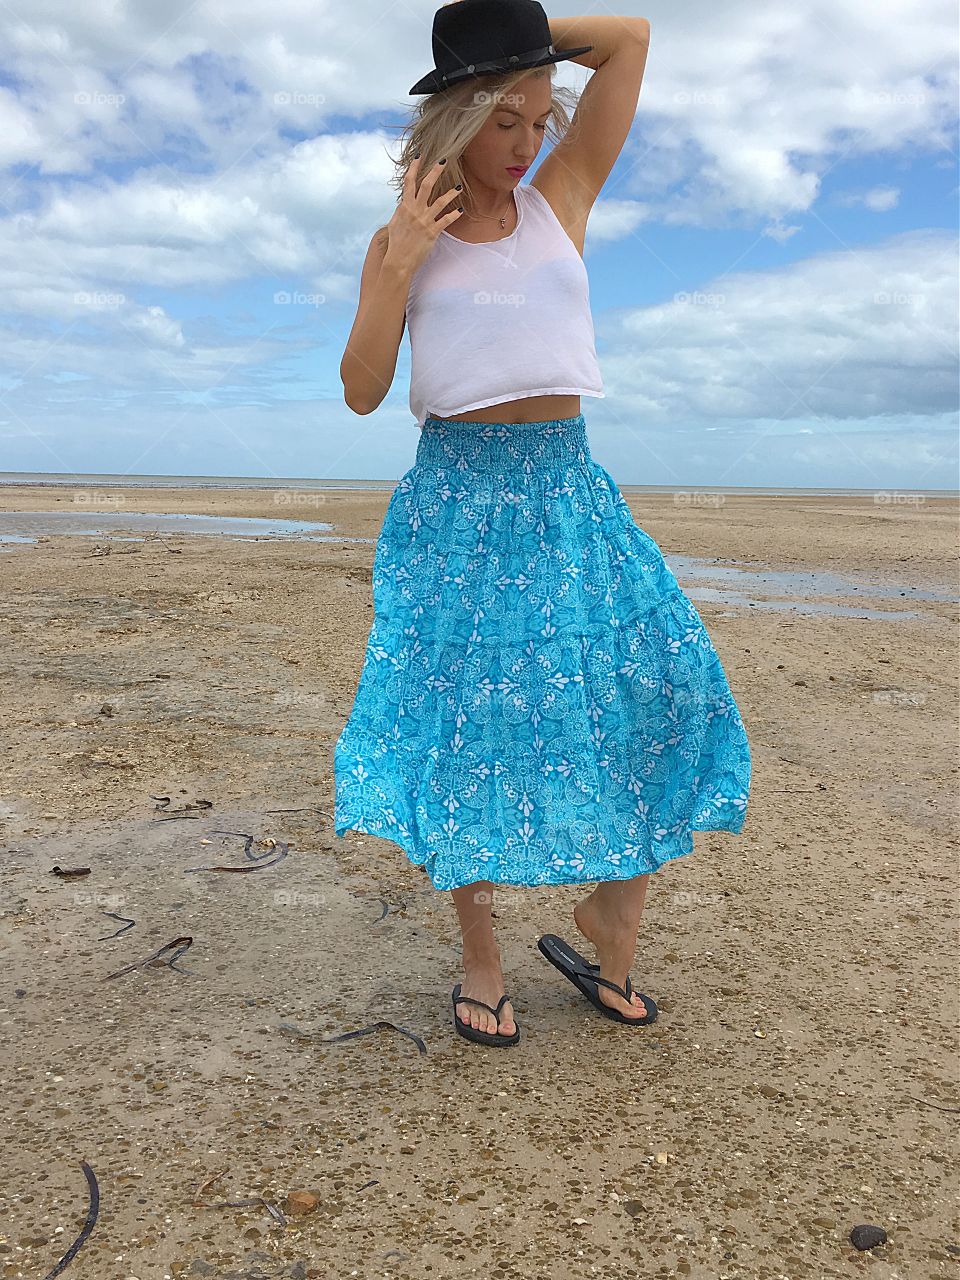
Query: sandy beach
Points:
[801, 1079]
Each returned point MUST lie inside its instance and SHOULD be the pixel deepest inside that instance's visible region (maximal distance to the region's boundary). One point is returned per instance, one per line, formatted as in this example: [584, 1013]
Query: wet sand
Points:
[801, 1079]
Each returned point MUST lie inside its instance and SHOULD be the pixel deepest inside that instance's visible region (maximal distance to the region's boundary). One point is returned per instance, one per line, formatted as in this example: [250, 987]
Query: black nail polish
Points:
[416, 155]
[458, 187]
[444, 160]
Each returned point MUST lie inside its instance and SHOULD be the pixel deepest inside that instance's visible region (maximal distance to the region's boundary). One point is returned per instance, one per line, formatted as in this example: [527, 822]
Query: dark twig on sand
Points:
[155, 537]
[310, 808]
[258, 1201]
[91, 1222]
[128, 924]
[101, 550]
[180, 944]
[278, 852]
[248, 844]
[188, 811]
[290, 1029]
[227, 1204]
[924, 1103]
[208, 1182]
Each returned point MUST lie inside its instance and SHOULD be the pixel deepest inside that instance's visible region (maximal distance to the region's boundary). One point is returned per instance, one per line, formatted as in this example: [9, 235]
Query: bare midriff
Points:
[529, 409]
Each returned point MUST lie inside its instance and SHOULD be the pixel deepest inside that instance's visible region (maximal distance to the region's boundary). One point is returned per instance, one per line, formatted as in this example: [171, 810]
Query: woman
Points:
[539, 701]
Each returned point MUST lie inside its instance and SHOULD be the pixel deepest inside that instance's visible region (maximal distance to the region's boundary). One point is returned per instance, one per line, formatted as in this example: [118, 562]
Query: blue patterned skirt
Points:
[539, 702]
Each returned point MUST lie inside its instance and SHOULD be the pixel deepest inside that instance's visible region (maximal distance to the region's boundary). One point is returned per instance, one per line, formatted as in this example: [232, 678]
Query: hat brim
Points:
[433, 81]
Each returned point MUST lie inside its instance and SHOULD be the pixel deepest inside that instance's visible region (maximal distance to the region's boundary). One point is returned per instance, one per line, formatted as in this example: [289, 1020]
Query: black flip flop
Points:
[585, 977]
[496, 1038]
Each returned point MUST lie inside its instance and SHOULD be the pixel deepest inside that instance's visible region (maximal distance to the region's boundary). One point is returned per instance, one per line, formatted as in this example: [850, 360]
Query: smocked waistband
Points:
[503, 446]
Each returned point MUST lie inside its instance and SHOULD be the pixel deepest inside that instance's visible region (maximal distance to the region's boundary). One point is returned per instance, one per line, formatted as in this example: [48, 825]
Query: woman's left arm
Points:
[608, 33]
[580, 163]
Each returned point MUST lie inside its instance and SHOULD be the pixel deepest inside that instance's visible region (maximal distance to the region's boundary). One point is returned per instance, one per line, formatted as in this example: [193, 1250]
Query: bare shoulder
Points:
[571, 215]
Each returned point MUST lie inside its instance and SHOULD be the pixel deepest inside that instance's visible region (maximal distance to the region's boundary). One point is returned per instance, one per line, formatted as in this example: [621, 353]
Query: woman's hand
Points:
[415, 227]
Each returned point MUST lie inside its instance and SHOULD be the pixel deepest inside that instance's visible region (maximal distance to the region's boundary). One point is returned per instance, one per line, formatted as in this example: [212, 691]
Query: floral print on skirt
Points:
[539, 701]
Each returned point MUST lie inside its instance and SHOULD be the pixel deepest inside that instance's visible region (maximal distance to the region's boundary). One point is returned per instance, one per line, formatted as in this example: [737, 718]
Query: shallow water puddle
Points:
[28, 526]
[758, 586]
[796, 583]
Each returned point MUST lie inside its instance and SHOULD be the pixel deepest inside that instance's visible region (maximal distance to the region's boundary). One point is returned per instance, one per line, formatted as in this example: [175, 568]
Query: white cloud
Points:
[615, 219]
[879, 199]
[849, 334]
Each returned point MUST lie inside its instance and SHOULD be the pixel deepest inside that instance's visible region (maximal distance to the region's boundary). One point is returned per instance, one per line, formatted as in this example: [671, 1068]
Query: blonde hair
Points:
[444, 123]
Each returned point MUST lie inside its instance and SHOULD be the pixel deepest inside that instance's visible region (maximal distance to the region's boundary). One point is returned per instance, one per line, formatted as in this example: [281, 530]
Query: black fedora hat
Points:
[488, 37]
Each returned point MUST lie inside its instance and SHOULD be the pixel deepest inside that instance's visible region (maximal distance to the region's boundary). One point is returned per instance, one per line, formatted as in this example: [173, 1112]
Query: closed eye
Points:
[510, 126]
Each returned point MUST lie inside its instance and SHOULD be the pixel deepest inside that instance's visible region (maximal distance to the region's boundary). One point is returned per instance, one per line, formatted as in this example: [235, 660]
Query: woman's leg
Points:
[483, 977]
[610, 918]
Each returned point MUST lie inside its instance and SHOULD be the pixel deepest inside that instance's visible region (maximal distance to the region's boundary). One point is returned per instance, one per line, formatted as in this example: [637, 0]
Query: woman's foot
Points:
[483, 980]
[614, 934]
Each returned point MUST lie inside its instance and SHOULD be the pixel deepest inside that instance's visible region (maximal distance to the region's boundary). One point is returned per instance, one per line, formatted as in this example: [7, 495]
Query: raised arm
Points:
[580, 163]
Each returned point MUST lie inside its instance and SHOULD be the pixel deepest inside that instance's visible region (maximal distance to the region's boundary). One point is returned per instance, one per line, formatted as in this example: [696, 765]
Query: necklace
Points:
[489, 217]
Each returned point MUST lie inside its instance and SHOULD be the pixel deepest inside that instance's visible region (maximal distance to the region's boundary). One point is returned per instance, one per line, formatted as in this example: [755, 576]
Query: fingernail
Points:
[458, 187]
[444, 160]
[416, 155]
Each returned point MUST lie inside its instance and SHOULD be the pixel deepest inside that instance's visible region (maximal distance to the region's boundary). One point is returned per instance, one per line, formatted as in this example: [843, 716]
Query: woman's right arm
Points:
[370, 359]
[394, 255]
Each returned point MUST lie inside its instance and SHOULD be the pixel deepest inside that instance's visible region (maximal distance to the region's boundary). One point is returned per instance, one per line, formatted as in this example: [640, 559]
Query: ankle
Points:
[485, 956]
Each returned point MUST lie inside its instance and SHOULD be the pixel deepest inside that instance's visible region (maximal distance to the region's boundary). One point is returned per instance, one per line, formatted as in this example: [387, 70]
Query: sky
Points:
[188, 191]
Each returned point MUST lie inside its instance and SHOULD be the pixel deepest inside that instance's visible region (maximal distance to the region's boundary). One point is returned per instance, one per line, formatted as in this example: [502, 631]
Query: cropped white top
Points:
[501, 320]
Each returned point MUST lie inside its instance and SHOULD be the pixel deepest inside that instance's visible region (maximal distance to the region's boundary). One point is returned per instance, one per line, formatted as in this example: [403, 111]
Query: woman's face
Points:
[511, 136]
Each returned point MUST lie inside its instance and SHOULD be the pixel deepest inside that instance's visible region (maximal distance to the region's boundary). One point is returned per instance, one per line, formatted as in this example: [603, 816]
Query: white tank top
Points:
[501, 320]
